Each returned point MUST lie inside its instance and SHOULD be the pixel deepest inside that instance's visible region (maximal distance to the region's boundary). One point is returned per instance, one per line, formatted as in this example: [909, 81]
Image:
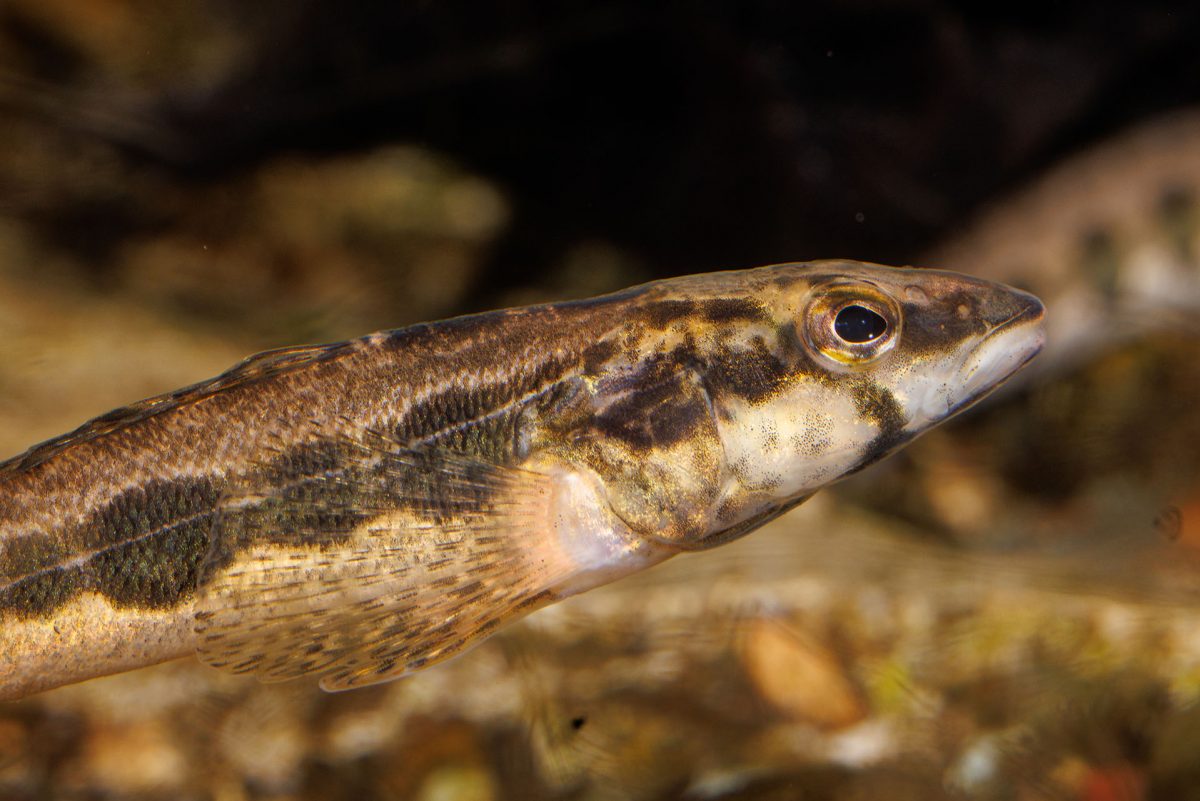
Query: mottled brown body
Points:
[121, 510]
[365, 503]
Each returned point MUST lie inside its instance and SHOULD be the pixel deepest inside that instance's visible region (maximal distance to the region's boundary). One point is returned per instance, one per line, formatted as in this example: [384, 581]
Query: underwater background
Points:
[1007, 609]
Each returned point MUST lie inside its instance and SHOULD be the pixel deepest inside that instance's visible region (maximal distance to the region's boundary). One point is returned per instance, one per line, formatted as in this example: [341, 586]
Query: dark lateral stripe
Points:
[460, 405]
[141, 549]
[145, 546]
[926, 332]
[317, 494]
[126, 517]
[663, 313]
[157, 570]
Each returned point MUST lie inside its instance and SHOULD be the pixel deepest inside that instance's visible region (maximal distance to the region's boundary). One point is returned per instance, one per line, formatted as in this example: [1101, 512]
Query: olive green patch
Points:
[41, 594]
[155, 572]
[28, 554]
[140, 549]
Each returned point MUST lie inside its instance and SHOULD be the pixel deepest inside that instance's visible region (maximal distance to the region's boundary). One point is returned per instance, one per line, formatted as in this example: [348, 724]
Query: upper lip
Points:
[1032, 310]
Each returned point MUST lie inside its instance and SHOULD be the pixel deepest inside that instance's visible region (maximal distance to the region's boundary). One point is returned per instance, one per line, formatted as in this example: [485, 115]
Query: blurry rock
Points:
[142, 759]
[66, 356]
[265, 738]
[1114, 783]
[18, 767]
[800, 676]
[438, 761]
[319, 250]
[457, 783]
[134, 43]
[961, 489]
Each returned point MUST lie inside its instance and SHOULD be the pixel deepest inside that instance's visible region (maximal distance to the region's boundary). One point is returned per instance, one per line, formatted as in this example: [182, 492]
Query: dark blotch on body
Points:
[595, 357]
[755, 374]
[732, 310]
[127, 515]
[152, 507]
[644, 421]
[141, 549]
[41, 593]
[311, 497]
[879, 405]
[156, 572]
[662, 313]
[31, 553]
[663, 406]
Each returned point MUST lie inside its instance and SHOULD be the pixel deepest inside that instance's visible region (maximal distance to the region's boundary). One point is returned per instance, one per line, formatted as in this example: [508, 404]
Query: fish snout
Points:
[1007, 306]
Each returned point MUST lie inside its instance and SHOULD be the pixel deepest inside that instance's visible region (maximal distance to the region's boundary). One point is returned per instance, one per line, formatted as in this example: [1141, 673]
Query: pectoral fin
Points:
[368, 561]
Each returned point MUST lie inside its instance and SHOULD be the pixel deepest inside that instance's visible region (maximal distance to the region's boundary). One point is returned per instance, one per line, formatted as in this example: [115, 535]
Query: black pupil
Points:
[859, 324]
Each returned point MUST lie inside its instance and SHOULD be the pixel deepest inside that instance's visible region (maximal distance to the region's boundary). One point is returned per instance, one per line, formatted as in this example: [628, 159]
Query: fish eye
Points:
[857, 324]
[851, 323]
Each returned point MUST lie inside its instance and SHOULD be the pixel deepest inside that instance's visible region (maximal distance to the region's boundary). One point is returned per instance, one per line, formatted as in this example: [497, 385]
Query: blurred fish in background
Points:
[1009, 609]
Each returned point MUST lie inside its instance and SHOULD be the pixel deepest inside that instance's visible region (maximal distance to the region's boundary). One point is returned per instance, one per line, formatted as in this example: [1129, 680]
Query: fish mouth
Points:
[1004, 350]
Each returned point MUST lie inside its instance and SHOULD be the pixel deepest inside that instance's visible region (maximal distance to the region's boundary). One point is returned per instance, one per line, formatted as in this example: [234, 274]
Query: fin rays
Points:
[391, 560]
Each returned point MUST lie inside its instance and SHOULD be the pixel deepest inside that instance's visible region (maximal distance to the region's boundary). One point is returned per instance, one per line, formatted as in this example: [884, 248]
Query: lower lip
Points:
[999, 356]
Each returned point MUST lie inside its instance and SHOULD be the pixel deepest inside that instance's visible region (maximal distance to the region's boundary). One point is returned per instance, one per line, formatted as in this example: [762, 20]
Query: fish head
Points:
[908, 347]
[848, 362]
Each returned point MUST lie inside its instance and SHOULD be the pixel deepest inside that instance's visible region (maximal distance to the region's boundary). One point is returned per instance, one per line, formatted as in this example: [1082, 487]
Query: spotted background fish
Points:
[1100, 431]
[1110, 239]
[363, 509]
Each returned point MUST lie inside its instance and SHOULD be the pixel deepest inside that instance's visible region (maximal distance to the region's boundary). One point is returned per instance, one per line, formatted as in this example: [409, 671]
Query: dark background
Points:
[696, 136]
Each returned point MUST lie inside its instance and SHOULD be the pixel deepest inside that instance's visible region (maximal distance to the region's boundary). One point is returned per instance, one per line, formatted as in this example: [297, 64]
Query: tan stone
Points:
[798, 675]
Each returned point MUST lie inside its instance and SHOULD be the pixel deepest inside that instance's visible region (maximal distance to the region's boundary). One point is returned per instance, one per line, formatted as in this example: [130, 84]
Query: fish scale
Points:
[364, 509]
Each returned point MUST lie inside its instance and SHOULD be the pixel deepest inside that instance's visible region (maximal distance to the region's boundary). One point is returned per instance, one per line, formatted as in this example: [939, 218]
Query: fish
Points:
[361, 510]
[1109, 237]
